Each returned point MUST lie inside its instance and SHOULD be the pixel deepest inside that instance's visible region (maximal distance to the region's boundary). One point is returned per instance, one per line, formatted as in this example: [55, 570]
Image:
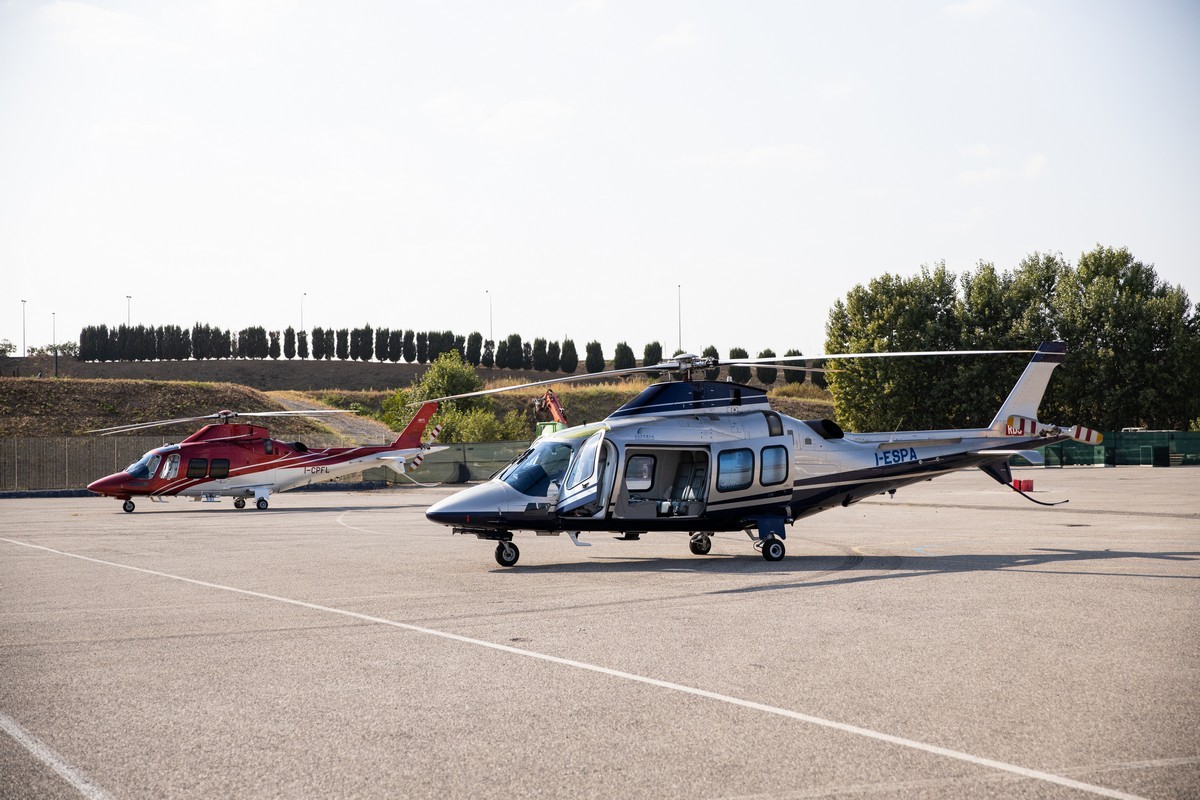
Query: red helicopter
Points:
[242, 461]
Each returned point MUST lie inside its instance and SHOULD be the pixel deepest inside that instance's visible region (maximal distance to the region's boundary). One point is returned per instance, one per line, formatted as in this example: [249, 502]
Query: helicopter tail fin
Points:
[410, 437]
[1026, 395]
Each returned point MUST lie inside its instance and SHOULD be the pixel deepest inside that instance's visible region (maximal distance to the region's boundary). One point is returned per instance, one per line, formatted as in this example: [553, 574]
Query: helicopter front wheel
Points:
[773, 549]
[507, 554]
[701, 544]
[239, 502]
[127, 506]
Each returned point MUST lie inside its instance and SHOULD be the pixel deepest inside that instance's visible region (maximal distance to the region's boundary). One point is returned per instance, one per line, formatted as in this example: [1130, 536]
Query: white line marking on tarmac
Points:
[352, 527]
[628, 676]
[52, 759]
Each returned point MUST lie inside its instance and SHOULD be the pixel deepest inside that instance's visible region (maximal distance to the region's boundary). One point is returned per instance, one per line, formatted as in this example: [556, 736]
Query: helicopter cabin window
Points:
[197, 467]
[269, 447]
[219, 468]
[735, 470]
[144, 468]
[585, 462]
[774, 465]
[639, 473]
[171, 468]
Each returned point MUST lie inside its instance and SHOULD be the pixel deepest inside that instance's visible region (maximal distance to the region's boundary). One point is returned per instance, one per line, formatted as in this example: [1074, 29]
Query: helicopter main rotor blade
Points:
[302, 413]
[905, 354]
[139, 425]
[221, 415]
[790, 368]
[591, 376]
[686, 363]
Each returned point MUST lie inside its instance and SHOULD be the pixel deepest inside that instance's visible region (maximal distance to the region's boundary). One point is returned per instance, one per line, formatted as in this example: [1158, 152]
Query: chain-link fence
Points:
[72, 462]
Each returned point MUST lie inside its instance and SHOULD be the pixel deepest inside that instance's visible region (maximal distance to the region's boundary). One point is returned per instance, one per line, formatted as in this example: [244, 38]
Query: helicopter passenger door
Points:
[589, 479]
[753, 475]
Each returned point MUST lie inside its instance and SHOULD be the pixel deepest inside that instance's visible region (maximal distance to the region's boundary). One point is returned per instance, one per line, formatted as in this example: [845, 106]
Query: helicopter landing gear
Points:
[507, 554]
[701, 544]
[261, 504]
[239, 502]
[127, 506]
[773, 549]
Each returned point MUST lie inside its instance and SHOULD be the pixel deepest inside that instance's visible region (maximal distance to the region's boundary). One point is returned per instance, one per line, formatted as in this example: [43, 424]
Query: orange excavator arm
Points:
[550, 403]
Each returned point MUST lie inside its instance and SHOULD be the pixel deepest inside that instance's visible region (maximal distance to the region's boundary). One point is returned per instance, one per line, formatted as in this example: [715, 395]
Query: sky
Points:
[693, 173]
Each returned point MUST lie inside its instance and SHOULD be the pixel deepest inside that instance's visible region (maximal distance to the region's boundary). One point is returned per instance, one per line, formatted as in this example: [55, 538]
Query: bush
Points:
[482, 425]
[801, 391]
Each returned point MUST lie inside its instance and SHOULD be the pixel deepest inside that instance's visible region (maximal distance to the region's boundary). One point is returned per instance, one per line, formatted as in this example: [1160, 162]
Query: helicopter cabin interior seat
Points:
[688, 488]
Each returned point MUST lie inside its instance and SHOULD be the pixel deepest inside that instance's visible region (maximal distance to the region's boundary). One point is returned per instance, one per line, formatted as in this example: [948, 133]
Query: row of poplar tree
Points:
[202, 342]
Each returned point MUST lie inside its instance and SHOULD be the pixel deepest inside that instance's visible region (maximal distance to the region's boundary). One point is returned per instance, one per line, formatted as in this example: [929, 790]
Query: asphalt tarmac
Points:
[954, 641]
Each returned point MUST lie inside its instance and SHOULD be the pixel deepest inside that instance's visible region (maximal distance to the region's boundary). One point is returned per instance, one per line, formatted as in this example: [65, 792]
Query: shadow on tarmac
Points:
[819, 569]
[251, 511]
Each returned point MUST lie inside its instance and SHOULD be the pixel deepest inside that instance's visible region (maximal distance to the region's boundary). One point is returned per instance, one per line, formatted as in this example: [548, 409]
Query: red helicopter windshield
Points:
[145, 466]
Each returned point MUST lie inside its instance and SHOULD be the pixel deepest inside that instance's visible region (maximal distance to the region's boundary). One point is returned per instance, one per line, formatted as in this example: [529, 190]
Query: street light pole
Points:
[679, 312]
[302, 310]
[54, 339]
[488, 292]
[24, 351]
[128, 300]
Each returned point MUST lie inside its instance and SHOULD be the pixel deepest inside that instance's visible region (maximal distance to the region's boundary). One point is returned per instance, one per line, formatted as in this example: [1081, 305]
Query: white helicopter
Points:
[698, 457]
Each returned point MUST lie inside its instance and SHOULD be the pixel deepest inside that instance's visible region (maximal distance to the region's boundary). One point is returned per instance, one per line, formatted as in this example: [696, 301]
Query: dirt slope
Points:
[70, 407]
[353, 428]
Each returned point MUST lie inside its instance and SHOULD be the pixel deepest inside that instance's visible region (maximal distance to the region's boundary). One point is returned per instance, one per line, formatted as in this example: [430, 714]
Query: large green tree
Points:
[1133, 344]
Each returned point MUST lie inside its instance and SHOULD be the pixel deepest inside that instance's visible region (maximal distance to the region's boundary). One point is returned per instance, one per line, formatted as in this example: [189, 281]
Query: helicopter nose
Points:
[477, 505]
[109, 483]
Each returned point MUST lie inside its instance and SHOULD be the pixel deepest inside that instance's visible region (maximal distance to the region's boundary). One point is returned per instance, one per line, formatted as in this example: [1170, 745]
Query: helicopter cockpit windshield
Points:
[532, 473]
[145, 466]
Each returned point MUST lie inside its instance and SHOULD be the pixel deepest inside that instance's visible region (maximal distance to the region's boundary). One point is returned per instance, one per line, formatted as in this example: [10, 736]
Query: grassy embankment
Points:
[71, 407]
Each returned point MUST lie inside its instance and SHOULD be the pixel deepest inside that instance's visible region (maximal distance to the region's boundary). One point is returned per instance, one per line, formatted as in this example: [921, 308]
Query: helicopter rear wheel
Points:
[773, 549]
[261, 505]
[127, 506]
[507, 554]
[239, 502]
[701, 544]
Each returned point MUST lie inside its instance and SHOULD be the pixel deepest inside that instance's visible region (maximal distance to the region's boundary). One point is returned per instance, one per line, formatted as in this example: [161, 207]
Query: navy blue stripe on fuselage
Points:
[772, 495]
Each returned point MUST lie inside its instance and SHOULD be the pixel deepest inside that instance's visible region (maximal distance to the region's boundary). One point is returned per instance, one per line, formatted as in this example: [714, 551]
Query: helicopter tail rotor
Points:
[1027, 426]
